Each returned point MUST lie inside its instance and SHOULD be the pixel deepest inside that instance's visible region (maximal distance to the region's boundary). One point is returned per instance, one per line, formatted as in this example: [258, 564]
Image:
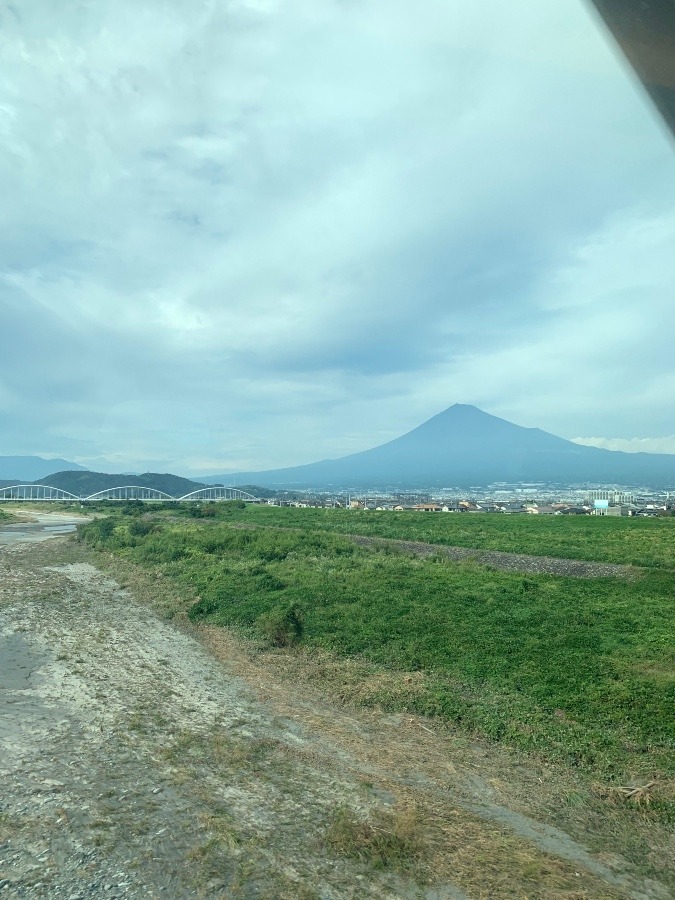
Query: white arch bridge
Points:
[46, 493]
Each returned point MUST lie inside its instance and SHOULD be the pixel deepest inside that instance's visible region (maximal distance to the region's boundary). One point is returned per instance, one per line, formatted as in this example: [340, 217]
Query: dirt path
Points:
[497, 559]
[508, 562]
[134, 763]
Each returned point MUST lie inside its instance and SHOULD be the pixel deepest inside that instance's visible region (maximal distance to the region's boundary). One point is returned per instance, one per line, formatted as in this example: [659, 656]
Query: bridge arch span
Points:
[130, 492]
[220, 493]
[35, 492]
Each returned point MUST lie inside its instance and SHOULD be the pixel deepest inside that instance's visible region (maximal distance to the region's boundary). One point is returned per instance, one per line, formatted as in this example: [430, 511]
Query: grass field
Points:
[634, 541]
[579, 670]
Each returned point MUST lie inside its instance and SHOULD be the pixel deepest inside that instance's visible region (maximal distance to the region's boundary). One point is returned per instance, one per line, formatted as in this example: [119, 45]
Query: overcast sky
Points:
[249, 234]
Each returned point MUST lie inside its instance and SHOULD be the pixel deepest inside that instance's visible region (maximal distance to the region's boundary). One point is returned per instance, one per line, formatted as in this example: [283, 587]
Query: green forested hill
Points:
[85, 483]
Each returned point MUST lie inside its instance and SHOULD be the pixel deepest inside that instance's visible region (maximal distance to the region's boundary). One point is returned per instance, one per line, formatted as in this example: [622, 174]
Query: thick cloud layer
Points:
[248, 234]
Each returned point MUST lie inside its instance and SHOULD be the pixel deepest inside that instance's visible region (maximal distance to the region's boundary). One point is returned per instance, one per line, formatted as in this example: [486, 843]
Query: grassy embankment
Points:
[633, 541]
[579, 670]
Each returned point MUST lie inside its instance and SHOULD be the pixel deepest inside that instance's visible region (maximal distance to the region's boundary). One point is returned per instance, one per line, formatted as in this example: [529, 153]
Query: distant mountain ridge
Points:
[464, 446]
[459, 447]
[84, 483]
[29, 468]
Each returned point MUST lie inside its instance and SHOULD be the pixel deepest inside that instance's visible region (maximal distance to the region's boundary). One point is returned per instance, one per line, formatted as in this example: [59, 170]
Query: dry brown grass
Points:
[641, 794]
[431, 831]
[387, 839]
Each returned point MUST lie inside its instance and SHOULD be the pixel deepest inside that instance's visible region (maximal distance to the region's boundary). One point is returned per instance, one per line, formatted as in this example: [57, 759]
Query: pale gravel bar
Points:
[507, 562]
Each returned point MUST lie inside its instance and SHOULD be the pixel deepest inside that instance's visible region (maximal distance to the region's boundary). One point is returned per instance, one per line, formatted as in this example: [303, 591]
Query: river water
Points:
[44, 526]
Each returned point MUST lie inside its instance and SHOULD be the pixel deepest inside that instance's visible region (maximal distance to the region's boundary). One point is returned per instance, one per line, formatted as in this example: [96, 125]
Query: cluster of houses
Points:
[593, 507]
[532, 508]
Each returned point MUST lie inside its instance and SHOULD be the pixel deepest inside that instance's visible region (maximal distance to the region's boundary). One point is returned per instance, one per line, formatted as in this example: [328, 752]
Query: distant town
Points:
[527, 499]
[496, 497]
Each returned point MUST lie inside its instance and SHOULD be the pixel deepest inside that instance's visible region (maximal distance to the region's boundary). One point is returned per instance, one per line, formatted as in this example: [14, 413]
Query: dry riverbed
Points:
[139, 758]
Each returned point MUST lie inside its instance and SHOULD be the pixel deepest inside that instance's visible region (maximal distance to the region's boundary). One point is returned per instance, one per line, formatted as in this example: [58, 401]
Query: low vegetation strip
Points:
[580, 670]
[507, 562]
[625, 541]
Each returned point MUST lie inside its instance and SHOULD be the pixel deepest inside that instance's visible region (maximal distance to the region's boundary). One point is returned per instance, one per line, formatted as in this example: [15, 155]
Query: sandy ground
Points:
[139, 760]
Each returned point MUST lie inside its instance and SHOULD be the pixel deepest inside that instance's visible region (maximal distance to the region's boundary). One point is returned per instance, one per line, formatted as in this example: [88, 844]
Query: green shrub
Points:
[138, 528]
[203, 607]
[98, 533]
[282, 626]
[133, 508]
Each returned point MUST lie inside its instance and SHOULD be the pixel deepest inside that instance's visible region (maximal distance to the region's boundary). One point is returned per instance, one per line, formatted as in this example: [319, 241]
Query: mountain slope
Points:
[28, 468]
[463, 446]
